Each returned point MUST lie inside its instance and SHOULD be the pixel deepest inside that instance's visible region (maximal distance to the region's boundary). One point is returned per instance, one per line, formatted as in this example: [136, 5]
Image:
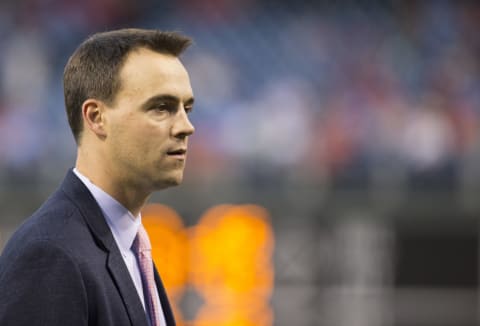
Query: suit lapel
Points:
[83, 199]
[167, 310]
[127, 289]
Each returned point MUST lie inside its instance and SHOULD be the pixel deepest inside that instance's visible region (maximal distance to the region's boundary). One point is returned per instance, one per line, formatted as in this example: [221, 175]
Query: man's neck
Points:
[129, 197]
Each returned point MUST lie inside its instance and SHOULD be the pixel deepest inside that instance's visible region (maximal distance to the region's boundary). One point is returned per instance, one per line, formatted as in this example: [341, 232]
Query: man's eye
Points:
[160, 107]
[188, 109]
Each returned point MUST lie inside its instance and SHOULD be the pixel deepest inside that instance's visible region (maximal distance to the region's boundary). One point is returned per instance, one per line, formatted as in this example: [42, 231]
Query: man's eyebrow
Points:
[166, 98]
[190, 101]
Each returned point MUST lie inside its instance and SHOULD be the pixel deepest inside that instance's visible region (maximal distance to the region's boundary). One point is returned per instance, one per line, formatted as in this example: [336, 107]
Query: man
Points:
[83, 258]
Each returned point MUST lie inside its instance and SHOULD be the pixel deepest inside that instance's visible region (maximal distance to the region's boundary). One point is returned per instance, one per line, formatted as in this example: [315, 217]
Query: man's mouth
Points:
[179, 153]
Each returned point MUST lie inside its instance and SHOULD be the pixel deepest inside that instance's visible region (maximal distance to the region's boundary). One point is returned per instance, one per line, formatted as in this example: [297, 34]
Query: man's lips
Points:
[178, 153]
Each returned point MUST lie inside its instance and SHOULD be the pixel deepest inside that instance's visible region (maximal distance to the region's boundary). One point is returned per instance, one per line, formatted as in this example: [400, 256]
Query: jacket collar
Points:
[79, 194]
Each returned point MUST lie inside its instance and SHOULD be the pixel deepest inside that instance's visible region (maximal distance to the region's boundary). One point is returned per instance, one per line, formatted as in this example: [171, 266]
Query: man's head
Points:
[93, 69]
[127, 98]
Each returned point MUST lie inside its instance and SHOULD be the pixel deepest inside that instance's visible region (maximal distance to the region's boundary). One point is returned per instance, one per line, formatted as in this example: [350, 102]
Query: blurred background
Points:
[334, 173]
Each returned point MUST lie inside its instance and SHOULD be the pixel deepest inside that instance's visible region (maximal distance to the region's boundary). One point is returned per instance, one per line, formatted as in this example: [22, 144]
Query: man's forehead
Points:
[143, 58]
[147, 71]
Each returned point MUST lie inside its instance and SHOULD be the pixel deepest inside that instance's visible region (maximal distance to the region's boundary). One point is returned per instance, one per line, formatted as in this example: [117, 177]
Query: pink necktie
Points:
[143, 250]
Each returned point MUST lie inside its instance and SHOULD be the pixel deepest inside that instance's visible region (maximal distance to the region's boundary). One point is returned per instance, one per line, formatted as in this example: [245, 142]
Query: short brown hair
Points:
[93, 69]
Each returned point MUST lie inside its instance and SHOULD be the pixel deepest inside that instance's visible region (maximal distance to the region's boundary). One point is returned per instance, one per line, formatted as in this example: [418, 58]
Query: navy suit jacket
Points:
[63, 267]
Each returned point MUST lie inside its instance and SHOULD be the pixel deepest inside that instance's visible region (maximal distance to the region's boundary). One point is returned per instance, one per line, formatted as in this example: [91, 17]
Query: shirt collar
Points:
[121, 221]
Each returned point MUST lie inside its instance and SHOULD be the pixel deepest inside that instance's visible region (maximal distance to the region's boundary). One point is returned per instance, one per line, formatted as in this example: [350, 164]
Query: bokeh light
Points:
[226, 257]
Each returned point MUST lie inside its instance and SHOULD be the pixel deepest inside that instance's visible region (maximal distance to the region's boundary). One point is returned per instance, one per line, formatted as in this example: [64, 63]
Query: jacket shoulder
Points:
[57, 220]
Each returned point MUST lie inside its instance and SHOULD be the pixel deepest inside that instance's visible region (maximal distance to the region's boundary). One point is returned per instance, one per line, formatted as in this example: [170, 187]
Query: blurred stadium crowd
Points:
[298, 91]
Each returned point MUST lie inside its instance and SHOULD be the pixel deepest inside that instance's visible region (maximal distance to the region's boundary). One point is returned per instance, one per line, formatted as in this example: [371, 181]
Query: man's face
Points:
[147, 125]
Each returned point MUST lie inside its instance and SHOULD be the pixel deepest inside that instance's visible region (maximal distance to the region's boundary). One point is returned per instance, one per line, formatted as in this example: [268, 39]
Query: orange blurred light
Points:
[231, 255]
[169, 250]
[226, 257]
[248, 315]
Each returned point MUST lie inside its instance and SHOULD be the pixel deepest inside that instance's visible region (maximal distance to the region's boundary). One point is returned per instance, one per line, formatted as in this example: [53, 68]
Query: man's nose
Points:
[182, 126]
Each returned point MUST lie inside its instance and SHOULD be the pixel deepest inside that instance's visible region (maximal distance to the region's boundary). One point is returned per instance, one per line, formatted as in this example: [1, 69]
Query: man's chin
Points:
[169, 182]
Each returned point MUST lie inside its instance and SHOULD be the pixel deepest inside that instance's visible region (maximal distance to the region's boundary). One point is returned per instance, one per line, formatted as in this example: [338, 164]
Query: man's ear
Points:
[93, 113]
